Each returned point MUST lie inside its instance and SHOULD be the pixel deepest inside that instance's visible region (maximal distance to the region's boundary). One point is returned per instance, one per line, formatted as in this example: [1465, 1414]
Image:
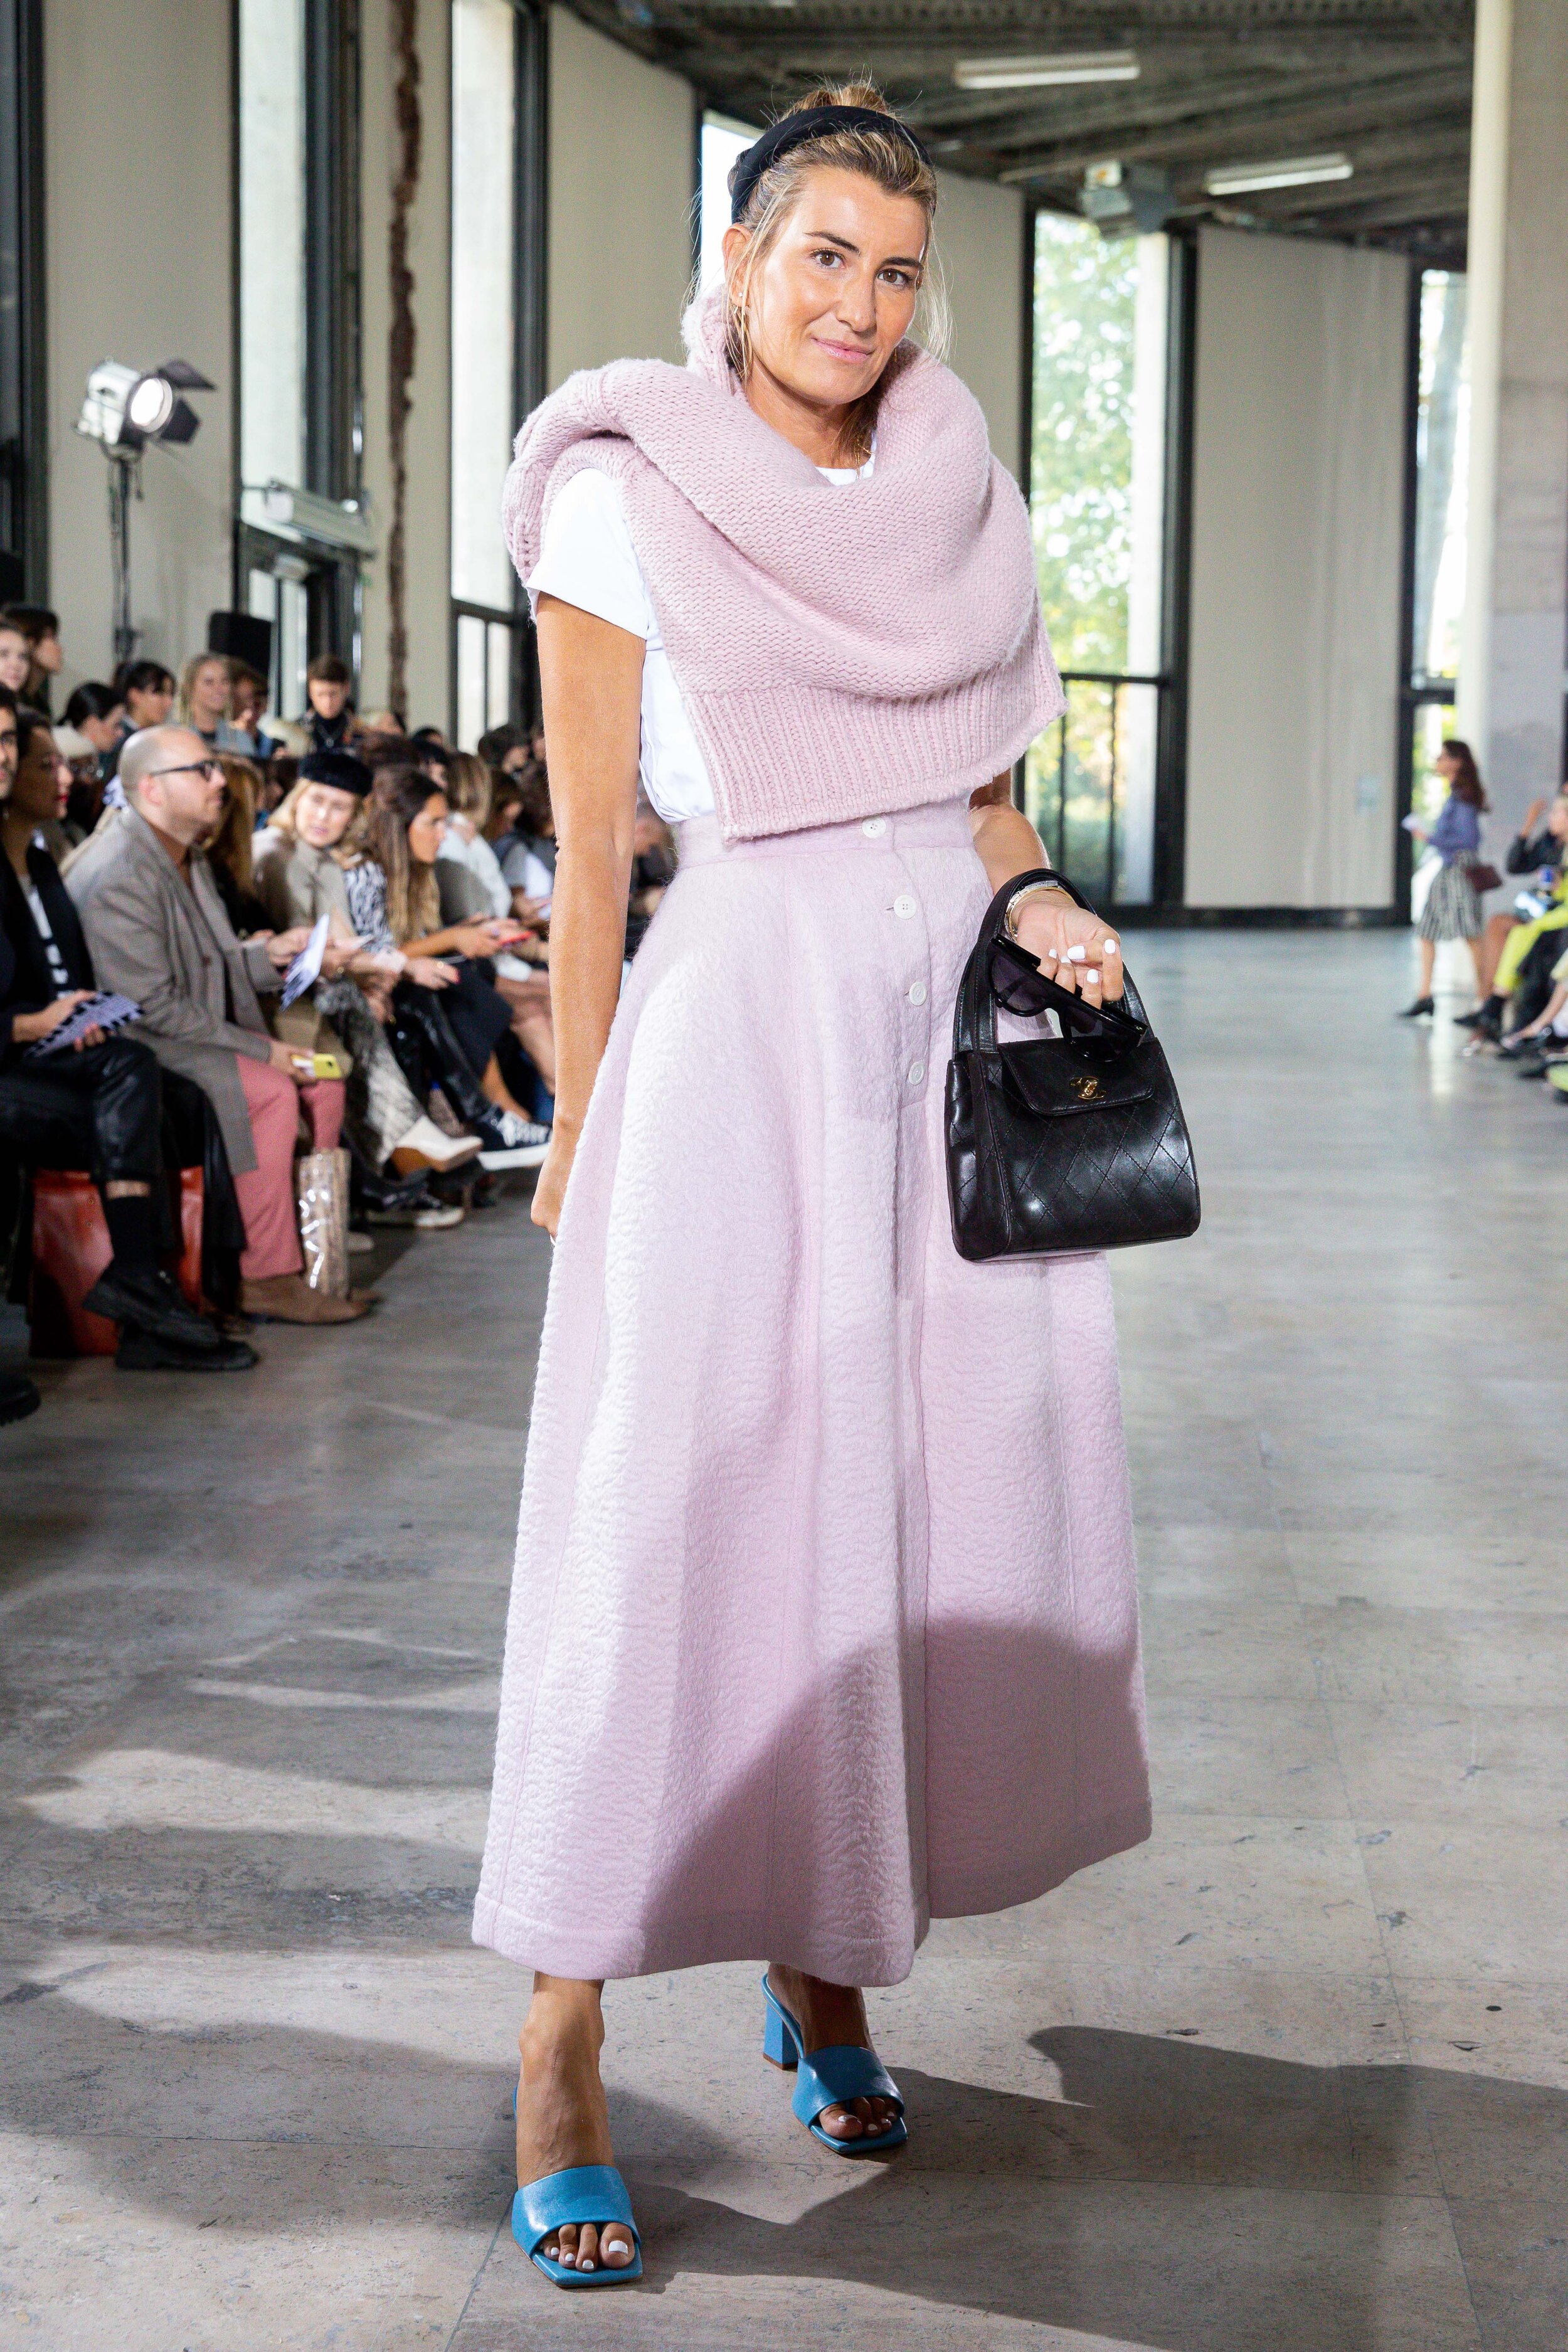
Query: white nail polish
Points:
[1076, 955]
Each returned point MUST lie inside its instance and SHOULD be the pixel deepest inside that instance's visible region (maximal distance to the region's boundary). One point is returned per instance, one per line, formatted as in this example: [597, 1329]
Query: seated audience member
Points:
[382, 723]
[157, 931]
[329, 718]
[1542, 1045]
[245, 731]
[42, 630]
[506, 749]
[98, 713]
[526, 853]
[15, 658]
[464, 852]
[147, 690]
[98, 1103]
[203, 700]
[1540, 859]
[230, 847]
[298, 875]
[393, 902]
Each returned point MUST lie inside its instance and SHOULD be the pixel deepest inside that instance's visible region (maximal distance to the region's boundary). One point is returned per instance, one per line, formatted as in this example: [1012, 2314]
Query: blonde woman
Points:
[823, 1622]
[206, 686]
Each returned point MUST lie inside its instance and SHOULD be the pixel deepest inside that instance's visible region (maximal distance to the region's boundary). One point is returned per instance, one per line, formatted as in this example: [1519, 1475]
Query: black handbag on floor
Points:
[1058, 1145]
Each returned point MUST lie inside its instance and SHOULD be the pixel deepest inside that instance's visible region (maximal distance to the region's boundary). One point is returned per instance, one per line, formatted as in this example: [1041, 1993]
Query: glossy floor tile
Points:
[1291, 2078]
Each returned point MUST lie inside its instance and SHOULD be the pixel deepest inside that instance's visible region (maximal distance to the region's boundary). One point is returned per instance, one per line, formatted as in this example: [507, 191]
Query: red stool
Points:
[70, 1250]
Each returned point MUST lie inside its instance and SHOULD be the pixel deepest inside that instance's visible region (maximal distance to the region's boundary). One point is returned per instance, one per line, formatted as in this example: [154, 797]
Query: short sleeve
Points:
[586, 556]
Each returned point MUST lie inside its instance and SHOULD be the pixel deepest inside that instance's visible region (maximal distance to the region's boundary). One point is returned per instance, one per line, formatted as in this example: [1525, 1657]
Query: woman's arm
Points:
[590, 677]
[1050, 926]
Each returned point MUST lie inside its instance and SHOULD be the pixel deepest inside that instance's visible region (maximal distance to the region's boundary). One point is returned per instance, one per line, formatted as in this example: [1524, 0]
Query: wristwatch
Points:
[1022, 898]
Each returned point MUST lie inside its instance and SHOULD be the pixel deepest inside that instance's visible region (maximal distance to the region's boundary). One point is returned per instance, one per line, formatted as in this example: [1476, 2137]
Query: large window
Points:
[1437, 581]
[1098, 502]
[297, 557]
[272, 241]
[23, 481]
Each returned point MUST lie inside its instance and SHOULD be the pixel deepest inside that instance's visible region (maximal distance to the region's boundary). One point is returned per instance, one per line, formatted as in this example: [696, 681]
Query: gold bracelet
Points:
[1030, 890]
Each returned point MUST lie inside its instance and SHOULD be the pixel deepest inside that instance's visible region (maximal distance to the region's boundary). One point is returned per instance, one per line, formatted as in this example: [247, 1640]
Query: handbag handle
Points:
[974, 1014]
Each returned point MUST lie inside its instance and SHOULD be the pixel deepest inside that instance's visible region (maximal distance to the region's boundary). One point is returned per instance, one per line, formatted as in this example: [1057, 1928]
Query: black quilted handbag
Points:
[1059, 1144]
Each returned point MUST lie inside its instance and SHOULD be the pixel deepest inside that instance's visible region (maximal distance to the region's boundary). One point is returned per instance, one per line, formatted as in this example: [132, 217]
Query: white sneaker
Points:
[428, 1215]
[359, 1244]
[519, 1142]
[436, 1149]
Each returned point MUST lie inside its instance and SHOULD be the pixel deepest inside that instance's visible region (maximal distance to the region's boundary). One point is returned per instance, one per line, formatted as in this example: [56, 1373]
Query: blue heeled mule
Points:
[588, 2193]
[829, 2078]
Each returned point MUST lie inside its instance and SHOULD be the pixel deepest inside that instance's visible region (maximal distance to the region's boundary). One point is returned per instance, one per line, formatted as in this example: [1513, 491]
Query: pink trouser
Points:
[266, 1193]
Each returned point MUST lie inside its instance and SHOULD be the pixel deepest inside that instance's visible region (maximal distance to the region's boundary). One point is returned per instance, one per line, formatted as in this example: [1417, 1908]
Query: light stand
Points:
[125, 408]
[125, 472]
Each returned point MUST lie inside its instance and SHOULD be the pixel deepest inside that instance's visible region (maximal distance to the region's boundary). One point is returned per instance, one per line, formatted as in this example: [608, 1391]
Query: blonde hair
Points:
[188, 678]
[469, 788]
[352, 837]
[880, 156]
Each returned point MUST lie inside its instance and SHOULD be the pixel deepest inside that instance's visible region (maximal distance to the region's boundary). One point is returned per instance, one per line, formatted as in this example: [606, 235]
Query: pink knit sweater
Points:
[840, 649]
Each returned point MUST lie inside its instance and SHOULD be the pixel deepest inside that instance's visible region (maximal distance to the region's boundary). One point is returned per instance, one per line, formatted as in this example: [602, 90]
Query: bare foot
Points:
[562, 2117]
[830, 2015]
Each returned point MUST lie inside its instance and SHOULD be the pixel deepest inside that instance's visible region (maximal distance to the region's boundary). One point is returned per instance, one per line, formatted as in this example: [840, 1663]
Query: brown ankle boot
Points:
[289, 1299]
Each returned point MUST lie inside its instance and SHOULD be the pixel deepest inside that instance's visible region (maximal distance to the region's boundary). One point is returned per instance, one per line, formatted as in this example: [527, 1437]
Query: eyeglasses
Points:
[208, 768]
[1021, 987]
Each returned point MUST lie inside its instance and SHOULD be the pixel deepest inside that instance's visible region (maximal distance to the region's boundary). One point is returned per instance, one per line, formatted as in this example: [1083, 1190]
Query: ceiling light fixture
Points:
[1295, 172]
[1045, 73]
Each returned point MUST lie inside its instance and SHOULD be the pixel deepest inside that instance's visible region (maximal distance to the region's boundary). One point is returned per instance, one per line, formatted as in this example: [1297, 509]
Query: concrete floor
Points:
[1293, 2076]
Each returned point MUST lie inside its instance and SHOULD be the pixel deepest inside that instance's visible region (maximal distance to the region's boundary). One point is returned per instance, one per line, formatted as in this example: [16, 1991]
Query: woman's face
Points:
[834, 296]
[428, 830]
[104, 733]
[148, 706]
[322, 815]
[209, 694]
[1444, 764]
[16, 660]
[43, 779]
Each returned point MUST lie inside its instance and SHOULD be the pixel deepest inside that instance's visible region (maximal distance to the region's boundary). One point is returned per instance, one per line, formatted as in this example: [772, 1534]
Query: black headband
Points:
[794, 130]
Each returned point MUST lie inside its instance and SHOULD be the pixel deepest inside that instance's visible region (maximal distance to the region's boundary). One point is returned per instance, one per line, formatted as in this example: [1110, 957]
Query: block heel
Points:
[829, 2078]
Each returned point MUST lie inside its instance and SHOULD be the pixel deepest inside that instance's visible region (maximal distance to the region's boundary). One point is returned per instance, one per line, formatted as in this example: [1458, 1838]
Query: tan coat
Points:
[296, 884]
[168, 943]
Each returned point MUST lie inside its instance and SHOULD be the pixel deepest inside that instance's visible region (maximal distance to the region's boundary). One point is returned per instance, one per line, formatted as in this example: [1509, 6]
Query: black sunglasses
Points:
[1021, 987]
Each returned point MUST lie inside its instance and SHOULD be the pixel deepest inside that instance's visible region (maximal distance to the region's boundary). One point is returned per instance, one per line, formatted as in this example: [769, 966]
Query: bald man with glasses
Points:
[159, 934]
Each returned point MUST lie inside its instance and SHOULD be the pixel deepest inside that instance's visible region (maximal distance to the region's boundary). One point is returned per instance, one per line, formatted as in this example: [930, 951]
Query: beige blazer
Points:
[168, 943]
[296, 884]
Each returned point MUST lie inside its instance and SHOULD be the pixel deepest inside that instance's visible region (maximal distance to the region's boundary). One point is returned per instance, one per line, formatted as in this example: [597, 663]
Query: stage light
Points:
[1045, 73]
[1294, 171]
[125, 408]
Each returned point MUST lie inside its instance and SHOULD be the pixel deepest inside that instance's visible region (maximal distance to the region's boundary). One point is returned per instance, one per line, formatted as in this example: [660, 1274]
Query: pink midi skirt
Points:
[823, 1622]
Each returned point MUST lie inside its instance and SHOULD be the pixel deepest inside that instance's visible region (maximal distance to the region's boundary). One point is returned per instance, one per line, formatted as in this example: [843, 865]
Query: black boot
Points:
[1422, 1010]
[148, 1299]
[18, 1397]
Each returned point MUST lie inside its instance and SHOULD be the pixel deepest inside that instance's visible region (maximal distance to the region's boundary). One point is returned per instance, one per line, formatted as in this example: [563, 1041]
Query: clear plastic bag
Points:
[322, 1189]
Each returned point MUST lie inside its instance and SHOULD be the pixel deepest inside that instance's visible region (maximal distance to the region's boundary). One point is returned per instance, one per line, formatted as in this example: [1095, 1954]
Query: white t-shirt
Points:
[587, 559]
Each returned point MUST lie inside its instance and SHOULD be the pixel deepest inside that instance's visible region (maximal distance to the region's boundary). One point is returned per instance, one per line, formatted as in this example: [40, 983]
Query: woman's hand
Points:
[550, 1184]
[282, 947]
[429, 971]
[1079, 951]
[27, 1028]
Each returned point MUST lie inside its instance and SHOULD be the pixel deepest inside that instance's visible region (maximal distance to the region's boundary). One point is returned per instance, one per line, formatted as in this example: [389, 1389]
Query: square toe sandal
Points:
[588, 2193]
[828, 2078]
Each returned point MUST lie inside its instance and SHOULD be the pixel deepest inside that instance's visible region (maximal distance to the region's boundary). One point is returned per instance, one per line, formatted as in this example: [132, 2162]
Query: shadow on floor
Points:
[1174, 2196]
